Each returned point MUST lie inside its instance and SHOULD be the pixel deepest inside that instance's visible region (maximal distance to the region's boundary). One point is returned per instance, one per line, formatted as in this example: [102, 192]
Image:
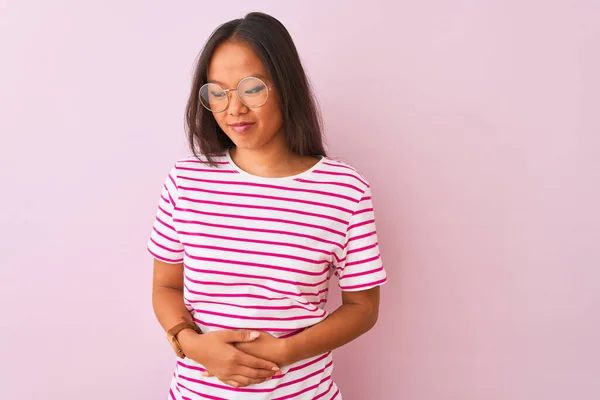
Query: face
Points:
[247, 127]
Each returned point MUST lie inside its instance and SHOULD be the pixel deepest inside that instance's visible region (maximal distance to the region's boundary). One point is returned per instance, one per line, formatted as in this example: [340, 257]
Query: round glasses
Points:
[251, 91]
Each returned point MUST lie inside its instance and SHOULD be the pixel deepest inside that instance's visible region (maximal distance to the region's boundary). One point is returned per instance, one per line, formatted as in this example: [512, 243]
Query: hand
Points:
[267, 347]
[215, 350]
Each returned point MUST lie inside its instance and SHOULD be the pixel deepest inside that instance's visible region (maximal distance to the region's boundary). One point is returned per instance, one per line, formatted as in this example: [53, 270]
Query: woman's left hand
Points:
[267, 347]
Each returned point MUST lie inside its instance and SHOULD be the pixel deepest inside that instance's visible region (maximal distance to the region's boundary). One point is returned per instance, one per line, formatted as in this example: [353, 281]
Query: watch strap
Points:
[174, 331]
[183, 325]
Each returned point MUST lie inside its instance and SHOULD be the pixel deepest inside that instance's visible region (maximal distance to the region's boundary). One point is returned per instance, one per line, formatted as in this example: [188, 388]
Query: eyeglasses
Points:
[251, 91]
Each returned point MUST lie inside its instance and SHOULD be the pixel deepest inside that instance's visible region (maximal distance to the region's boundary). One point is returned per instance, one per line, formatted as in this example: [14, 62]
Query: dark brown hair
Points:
[274, 46]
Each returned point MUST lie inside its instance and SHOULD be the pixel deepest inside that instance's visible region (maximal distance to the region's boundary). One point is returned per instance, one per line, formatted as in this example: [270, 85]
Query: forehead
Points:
[233, 61]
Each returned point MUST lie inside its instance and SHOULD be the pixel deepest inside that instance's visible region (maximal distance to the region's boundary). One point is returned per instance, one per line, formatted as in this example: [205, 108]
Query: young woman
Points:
[250, 229]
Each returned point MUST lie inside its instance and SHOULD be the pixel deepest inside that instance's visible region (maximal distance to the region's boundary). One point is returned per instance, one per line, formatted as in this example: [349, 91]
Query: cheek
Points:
[220, 118]
[271, 118]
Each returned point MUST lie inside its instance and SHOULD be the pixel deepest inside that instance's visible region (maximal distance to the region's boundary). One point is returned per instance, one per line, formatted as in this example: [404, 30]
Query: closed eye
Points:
[254, 90]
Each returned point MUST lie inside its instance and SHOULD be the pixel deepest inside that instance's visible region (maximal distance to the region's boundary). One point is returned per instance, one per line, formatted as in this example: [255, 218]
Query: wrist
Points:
[287, 356]
[185, 338]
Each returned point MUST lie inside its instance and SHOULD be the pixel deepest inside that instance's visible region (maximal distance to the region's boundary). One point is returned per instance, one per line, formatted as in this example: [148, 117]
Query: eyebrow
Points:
[259, 76]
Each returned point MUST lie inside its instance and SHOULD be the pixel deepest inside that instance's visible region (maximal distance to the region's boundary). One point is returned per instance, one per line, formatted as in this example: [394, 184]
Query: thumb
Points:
[244, 335]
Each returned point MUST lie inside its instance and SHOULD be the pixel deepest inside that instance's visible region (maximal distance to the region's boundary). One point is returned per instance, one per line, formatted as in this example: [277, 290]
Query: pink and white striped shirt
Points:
[258, 254]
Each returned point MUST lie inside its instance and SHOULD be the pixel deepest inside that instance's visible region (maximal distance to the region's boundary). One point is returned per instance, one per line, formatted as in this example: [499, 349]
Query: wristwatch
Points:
[174, 331]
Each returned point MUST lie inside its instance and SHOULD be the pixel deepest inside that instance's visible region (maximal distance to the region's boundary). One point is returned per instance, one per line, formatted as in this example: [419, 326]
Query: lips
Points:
[241, 127]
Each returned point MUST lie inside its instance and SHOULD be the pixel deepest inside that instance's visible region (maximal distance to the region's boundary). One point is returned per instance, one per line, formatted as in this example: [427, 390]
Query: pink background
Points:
[476, 123]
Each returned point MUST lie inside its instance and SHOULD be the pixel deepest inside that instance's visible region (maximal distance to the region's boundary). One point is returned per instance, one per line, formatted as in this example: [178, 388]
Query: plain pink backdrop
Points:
[476, 123]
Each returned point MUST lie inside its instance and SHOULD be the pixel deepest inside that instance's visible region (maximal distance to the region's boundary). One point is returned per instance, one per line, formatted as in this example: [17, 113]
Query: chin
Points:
[249, 144]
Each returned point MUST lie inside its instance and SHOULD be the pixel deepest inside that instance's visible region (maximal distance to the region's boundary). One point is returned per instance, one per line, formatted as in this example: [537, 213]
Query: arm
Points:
[215, 349]
[354, 317]
[167, 298]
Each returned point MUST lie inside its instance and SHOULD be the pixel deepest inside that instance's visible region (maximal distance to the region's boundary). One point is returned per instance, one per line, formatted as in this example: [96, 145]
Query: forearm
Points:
[347, 323]
[169, 306]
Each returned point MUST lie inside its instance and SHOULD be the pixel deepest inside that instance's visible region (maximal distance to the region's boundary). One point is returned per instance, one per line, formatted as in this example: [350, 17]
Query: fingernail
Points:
[254, 335]
[205, 373]
[275, 369]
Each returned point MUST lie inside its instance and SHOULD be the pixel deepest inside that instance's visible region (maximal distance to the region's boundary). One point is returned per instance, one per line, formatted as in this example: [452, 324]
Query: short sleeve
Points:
[361, 266]
[164, 243]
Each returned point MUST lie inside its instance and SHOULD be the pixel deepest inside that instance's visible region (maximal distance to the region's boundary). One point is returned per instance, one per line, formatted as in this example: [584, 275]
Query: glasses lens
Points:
[253, 92]
[213, 97]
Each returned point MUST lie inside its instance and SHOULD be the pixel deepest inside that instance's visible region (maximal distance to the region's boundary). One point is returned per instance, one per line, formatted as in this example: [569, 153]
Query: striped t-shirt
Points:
[258, 254]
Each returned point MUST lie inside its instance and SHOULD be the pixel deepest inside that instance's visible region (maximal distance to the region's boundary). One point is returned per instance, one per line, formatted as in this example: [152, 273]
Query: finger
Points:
[253, 372]
[256, 363]
[242, 381]
[242, 335]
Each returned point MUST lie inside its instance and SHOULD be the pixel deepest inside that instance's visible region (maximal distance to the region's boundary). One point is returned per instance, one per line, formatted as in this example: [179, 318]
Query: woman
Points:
[249, 230]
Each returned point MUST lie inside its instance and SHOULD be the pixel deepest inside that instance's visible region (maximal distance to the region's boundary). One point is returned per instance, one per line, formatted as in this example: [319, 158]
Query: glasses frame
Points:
[236, 90]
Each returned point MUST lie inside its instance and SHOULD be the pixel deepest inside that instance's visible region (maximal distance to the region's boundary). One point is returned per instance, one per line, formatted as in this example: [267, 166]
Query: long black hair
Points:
[273, 44]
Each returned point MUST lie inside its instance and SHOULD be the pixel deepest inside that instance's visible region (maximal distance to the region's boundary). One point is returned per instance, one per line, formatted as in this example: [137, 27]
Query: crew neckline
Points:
[273, 179]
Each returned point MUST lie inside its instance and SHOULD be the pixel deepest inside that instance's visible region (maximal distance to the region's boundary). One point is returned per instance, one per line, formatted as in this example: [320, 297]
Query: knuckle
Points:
[256, 374]
[264, 374]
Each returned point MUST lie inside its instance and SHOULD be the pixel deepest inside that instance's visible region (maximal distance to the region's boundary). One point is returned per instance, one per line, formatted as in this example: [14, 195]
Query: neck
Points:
[273, 160]
[265, 161]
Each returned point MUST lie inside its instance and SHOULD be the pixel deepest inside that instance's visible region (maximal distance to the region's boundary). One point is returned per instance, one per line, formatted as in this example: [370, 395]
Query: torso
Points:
[258, 254]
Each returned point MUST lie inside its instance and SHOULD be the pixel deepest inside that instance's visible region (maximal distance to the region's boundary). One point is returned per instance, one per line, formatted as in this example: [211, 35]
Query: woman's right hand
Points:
[215, 350]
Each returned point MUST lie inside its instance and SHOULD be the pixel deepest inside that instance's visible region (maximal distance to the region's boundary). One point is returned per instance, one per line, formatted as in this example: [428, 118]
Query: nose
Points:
[236, 107]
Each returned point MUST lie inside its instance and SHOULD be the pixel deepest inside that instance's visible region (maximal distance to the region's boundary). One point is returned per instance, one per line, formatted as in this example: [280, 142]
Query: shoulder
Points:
[192, 167]
[191, 164]
[342, 170]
